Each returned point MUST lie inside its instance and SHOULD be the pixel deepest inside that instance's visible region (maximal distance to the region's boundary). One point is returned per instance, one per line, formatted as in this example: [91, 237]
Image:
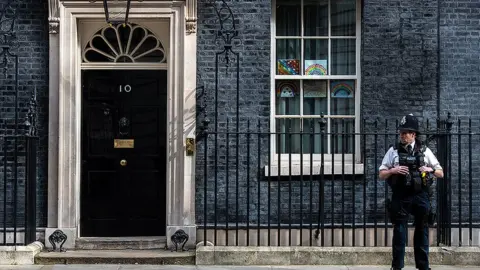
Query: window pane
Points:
[312, 137]
[316, 55]
[343, 57]
[342, 135]
[316, 17]
[288, 56]
[287, 142]
[343, 17]
[288, 18]
[315, 97]
[287, 97]
[342, 97]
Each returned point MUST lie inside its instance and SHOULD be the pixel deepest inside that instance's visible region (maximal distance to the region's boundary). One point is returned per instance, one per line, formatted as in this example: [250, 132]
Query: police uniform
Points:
[391, 159]
[409, 196]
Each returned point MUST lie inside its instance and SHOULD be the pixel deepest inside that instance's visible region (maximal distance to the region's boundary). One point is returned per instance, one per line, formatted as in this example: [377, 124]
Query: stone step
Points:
[157, 257]
[120, 243]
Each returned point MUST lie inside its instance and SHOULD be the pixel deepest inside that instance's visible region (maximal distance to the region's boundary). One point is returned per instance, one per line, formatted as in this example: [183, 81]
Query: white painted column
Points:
[60, 213]
[53, 117]
[183, 210]
[68, 132]
[189, 117]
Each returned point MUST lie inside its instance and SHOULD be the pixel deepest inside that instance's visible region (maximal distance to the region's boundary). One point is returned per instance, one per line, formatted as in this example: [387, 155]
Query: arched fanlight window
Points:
[124, 44]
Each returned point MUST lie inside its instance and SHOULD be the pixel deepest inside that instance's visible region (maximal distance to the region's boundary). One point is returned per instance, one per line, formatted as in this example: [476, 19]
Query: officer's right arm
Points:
[387, 164]
[387, 168]
[385, 174]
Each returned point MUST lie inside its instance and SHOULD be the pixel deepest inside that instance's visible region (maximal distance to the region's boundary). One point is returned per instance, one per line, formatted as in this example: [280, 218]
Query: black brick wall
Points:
[459, 94]
[399, 61]
[32, 49]
[254, 198]
[252, 19]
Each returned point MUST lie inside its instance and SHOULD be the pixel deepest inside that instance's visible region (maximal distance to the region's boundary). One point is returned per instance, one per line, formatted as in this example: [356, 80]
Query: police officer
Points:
[406, 167]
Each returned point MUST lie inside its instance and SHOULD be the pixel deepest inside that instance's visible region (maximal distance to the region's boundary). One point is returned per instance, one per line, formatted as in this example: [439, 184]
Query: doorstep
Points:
[121, 243]
[152, 256]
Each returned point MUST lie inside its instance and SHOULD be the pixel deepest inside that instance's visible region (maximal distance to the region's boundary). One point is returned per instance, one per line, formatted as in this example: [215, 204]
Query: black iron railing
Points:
[288, 188]
[18, 189]
[18, 147]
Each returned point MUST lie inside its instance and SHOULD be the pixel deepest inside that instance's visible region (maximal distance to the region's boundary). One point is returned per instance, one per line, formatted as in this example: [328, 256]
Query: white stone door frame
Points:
[65, 112]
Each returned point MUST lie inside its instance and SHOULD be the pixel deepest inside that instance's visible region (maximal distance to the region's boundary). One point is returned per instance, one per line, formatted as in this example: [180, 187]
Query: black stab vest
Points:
[412, 183]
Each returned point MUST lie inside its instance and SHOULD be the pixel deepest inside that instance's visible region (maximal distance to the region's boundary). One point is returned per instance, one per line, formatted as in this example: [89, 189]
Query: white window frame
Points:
[295, 158]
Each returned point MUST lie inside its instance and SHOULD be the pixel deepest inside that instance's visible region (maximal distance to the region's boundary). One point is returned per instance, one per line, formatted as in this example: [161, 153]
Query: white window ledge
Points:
[329, 169]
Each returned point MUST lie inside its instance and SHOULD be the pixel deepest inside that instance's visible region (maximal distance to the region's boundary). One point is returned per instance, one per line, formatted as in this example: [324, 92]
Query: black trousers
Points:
[402, 206]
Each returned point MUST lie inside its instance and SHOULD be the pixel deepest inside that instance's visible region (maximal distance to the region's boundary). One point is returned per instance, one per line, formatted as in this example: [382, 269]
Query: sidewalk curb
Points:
[223, 255]
[20, 255]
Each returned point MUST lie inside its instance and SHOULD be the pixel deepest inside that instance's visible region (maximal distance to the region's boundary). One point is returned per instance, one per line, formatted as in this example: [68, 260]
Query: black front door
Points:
[124, 127]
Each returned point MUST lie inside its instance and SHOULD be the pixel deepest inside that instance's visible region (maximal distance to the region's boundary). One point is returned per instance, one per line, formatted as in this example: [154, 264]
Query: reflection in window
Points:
[288, 137]
[343, 17]
[288, 57]
[316, 55]
[288, 97]
[342, 135]
[315, 97]
[343, 57]
[343, 102]
[315, 17]
[288, 18]
[313, 140]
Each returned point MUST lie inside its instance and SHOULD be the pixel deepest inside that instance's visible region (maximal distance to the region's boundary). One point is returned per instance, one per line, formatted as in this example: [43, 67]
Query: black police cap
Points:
[409, 123]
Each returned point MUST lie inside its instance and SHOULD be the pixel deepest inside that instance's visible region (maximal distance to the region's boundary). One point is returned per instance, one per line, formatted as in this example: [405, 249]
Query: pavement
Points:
[194, 267]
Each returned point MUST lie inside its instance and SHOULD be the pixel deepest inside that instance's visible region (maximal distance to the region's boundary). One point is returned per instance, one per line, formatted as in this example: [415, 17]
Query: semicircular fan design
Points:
[124, 44]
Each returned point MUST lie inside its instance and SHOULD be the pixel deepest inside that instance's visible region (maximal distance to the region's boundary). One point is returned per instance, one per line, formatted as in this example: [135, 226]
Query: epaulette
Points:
[423, 148]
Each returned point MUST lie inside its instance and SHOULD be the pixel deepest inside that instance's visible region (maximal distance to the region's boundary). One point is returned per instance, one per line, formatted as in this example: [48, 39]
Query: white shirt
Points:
[391, 158]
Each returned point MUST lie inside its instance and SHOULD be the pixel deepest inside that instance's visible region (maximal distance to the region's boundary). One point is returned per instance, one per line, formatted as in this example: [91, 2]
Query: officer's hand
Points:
[425, 169]
[400, 170]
